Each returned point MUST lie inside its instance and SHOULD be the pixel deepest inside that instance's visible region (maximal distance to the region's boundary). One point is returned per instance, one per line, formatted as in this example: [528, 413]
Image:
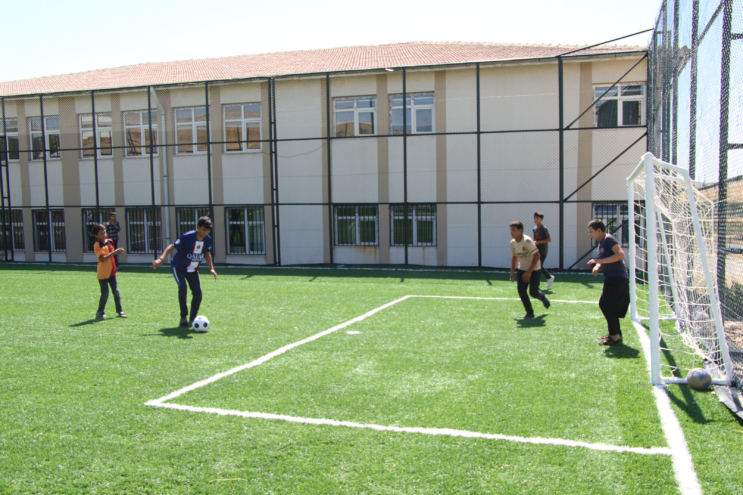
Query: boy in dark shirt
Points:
[541, 239]
[614, 300]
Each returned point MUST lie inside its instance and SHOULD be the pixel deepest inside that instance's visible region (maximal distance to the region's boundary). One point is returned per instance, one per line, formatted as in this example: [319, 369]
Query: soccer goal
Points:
[673, 285]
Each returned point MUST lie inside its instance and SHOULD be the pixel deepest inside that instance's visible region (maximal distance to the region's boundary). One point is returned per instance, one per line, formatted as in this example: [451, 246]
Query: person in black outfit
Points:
[112, 229]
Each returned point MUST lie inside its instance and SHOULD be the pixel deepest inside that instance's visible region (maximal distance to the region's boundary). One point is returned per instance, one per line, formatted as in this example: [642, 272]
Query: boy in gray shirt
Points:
[542, 239]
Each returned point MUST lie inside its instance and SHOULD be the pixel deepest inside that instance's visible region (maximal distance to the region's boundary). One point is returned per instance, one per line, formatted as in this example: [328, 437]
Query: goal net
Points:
[673, 282]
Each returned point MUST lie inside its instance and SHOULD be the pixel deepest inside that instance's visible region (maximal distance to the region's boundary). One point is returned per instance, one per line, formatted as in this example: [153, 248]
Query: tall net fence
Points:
[696, 121]
[406, 166]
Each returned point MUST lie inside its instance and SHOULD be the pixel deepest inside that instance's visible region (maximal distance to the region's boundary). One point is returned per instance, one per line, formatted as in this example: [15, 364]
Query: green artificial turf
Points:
[73, 389]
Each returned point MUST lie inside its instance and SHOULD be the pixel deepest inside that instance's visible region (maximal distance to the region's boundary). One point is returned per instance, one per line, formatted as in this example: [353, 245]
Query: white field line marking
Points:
[506, 299]
[683, 465]
[271, 355]
[425, 431]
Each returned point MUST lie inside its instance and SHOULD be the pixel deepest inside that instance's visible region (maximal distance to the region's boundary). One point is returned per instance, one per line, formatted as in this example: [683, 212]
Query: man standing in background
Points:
[112, 229]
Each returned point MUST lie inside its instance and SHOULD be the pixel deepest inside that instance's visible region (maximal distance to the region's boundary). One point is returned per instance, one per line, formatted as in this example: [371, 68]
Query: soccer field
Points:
[319, 381]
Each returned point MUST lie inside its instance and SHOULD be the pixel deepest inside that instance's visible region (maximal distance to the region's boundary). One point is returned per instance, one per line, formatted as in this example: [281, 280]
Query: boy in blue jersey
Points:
[191, 248]
[614, 299]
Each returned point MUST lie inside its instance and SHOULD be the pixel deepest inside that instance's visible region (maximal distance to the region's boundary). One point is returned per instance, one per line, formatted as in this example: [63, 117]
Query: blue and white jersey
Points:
[190, 251]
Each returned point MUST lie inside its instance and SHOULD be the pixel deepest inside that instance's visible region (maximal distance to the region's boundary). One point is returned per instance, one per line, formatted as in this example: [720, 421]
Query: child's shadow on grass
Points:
[179, 332]
[622, 352]
[538, 321]
[87, 322]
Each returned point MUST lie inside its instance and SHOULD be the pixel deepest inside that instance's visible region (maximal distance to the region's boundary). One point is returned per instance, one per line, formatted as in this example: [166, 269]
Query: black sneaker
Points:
[184, 322]
[529, 315]
[546, 302]
[100, 315]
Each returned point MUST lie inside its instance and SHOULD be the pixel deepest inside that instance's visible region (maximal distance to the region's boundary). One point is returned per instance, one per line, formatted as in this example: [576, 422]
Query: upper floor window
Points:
[139, 141]
[418, 113]
[242, 127]
[45, 137]
[96, 137]
[620, 105]
[190, 130]
[355, 116]
[10, 131]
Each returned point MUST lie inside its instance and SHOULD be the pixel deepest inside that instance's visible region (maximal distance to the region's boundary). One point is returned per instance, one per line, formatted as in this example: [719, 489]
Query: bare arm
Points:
[208, 258]
[159, 262]
[514, 261]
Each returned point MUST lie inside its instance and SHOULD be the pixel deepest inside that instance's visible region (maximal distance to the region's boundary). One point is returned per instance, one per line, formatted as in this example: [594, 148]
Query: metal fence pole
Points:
[479, 171]
[46, 175]
[95, 157]
[727, 28]
[405, 161]
[5, 183]
[561, 158]
[328, 107]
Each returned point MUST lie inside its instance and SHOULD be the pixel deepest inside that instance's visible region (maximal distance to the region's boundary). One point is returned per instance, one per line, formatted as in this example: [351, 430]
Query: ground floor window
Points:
[616, 219]
[11, 237]
[49, 231]
[245, 230]
[91, 217]
[188, 217]
[357, 225]
[414, 226]
[144, 230]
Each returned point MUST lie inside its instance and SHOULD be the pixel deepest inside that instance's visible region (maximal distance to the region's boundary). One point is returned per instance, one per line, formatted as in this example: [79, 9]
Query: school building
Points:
[409, 153]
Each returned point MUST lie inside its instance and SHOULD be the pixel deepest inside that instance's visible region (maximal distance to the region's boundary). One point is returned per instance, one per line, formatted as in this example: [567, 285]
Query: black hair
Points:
[517, 224]
[597, 224]
[205, 222]
[97, 228]
[539, 214]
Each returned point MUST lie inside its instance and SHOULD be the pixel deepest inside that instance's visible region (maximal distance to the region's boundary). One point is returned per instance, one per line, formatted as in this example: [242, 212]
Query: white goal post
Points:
[673, 285]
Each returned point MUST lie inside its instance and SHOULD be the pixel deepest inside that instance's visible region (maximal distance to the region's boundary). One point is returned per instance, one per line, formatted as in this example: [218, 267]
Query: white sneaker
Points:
[550, 280]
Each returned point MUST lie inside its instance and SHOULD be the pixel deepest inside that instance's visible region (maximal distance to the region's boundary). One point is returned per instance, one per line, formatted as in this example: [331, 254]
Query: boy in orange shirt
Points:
[105, 252]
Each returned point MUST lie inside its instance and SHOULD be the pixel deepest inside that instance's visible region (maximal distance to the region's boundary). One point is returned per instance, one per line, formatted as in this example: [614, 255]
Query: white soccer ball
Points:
[200, 324]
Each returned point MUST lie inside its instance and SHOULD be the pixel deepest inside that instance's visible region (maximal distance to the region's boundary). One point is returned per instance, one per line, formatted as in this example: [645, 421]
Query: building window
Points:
[188, 217]
[242, 127]
[357, 225]
[11, 237]
[355, 116]
[49, 233]
[620, 105]
[91, 218]
[245, 230]
[616, 219]
[10, 131]
[102, 138]
[190, 130]
[137, 133]
[144, 230]
[416, 228]
[418, 113]
[50, 132]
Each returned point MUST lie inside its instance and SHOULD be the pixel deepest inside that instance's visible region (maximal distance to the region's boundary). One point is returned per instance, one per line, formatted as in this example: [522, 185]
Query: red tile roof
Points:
[296, 62]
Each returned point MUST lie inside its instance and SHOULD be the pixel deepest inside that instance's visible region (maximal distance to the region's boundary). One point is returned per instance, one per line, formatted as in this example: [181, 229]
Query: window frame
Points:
[16, 236]
[245, 124]
[413, 107]
[89, 221]
[414, 217]
[147, 227]
[612, 220]
[620, 98]
[58, 241]
[194, 125]
[181, 224]
[50, 153]
[100, 150]
[144, 129]
[5, 137]
[357, 111]
[358, 219]
[247, 237]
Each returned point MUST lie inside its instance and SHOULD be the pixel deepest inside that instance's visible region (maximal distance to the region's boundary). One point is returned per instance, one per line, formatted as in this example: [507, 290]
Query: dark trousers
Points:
[614, 302]
[533, 286]
[542, 259]
[194, 283]
[104, 294]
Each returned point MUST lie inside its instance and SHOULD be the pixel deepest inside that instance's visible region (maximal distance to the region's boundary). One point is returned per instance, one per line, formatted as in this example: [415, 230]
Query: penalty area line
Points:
[504, 299]
[423, 431]
[270, 355]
